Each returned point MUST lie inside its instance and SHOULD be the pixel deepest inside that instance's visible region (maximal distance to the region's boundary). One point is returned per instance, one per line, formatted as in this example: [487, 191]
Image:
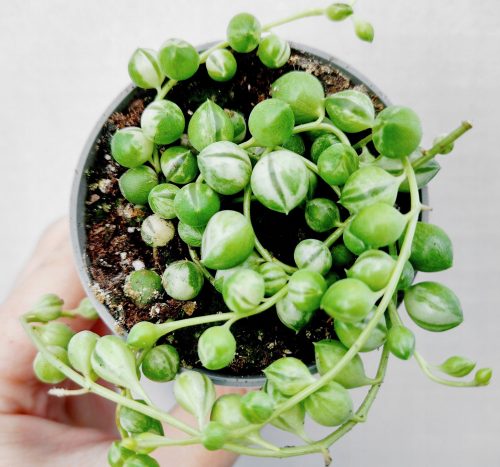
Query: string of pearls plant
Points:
[378, 246]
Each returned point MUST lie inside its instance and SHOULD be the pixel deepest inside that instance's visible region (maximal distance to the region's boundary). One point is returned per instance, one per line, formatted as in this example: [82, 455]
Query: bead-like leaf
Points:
[225, 167]
[280, 181]
[228, 240]
[195, 393]
[433, 306]
[369, 185]
[289, 375]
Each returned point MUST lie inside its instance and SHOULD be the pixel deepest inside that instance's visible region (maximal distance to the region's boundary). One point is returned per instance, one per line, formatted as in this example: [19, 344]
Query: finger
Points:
[50, 269]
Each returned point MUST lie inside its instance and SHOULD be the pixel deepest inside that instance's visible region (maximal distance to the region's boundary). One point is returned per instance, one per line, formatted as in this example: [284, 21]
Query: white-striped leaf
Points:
[280, 181]
[225, 167]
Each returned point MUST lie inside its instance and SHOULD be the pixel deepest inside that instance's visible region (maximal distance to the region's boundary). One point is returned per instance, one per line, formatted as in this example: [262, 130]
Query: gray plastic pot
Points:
[79, 194]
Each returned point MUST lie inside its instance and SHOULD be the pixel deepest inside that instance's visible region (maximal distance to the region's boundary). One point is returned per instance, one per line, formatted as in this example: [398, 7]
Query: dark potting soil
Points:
[115, 248]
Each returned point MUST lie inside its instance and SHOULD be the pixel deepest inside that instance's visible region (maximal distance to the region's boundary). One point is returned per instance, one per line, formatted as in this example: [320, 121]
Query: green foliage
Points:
[209, 124]
[243, 291]
[178, 59]
[397, 132]
[161, 363]
[271, 122]
[182, 280]
[195, 204]
[351, 111]
[162, 122]
[433, 306]
[280, 181]
[431, 250]
[243, 32]
[273, 51]
[348, 300]
[144, 70]
[216, 347]
[221, 65]
[336, 164]
[142, 286]
[136, 184]
[227, 241]
[130, 147]
[161, 200]
[401, 342]
[322, 214]
[179, 165]
[304, 92]
[225, 167]
[328, 354]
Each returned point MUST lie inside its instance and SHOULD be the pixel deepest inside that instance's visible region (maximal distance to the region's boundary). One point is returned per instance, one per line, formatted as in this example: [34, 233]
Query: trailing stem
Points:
[258, 246]
[106, 393]
[441, 144]
[380, 310]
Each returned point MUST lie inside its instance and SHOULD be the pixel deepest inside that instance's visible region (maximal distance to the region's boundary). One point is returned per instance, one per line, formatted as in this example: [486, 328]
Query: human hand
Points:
[38, 429]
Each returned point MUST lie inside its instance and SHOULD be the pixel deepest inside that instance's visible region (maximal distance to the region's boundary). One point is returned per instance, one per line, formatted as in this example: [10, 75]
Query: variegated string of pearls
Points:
[298, 138]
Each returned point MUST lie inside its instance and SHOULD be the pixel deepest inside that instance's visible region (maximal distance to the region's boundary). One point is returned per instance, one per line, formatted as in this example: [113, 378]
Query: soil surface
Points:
[115, 248]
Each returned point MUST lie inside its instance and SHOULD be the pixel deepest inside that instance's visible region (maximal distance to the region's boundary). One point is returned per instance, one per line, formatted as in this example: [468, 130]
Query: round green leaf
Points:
[348, 300]
[216, 347]
[209, 124]
[221, 65]
[243, 32]
[178, 164]
[142, 286]
[397, 132]
[431, 250]
[304, 92]
[144, 70]
[162, 122]
[330, 405]
[280, 181]
[225, 167]
[130, 147]
[351, 111]
[273, 51]
[135, 184]
[433, 306]
[228, 240]
[182, 280]
[178, 59]
[337, 163]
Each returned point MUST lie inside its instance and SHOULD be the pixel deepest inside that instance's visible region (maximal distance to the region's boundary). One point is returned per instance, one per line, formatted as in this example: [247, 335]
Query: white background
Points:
[62, 62]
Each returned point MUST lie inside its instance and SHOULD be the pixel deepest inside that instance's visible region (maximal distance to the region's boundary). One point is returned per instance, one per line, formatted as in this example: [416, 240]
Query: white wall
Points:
[62, 62]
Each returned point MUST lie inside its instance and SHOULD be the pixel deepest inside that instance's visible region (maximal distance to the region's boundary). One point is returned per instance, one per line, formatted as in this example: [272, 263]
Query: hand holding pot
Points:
[38, 429]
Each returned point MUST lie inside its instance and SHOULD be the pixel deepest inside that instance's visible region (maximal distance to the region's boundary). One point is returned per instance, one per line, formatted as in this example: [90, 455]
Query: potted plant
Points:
[249, 211]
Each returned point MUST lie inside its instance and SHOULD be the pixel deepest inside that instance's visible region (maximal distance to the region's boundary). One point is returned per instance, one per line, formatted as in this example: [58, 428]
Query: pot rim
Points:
[79, 192]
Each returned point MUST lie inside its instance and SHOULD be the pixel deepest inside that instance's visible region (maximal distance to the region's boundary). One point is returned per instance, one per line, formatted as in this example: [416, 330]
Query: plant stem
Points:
[379, 312]
[101, 390]
[155, 160]
[289, 19]
[335, 235]
[425, 367]
[314, 168]
[441, 144]
[330, 127]
[156, 441]
[248, 143]
[204, 55]
[204, 270]
[363, 142]
[247, 198]
[165, 89]
[322, 444]
[170, 326]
